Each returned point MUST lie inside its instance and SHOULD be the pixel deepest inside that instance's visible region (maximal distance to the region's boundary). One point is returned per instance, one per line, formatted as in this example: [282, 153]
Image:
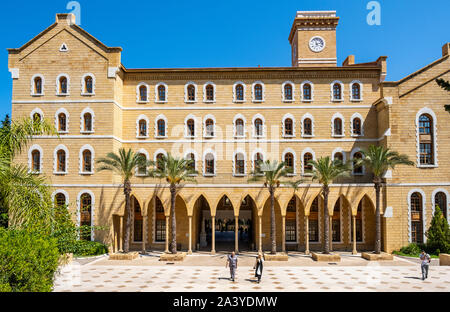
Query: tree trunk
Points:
[273, 233]
[127, 192]
[326, 249]
[173, 244]
[377, 217]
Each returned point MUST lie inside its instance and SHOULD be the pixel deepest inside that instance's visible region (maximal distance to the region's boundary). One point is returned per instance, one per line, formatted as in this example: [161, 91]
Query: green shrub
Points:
[412, 249]
[28, 261]
[84, 248]
[438, 235]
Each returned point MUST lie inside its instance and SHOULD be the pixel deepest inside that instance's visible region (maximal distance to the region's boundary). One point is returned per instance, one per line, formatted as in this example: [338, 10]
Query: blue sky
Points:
[233, 33]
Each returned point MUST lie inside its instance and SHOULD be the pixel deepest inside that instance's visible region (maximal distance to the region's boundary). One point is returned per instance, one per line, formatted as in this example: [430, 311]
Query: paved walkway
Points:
[201, 273]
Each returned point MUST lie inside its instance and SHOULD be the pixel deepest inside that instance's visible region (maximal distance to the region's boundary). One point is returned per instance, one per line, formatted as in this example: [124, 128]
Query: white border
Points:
[166, 92]
[305, 116]
[256, 151]
[283, 98]
[332, 93]
[144, 152]
[214, 92]
[290, 150]
[430, 112]
[263, 125]
[196, 126]
[447, 195]
[353, 152]
[424, 220]
[32, 93]
[166, 127]
[82, 149]
[339, 150]
[206, 152]
[301, 91]
[90, 111]
[66, 195]
[205, 134]
[83, 84]
[58, 86]
[239, 151]
[356, 115]
[244, 129]
[263, 87]
[55, 159]
[307, 150]
[283, 134]
[186, 100]
[360, 91]
[65, 112]
[192, 151]
[234, 92]
[30, 158]
[337, 115]
[145, 118]
[138, 93]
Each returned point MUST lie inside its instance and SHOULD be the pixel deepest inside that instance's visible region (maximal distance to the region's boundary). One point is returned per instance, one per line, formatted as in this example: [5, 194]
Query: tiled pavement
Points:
[372, 276]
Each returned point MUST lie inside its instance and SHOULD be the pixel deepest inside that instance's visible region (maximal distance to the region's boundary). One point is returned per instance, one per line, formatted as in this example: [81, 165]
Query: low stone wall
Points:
[376, 257]
[325, 257]
[444, 259]
[124, 256]
[173, 257]
[276, 257]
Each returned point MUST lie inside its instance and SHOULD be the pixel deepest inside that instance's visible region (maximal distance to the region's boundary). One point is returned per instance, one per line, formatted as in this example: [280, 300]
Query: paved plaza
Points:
[205, 273]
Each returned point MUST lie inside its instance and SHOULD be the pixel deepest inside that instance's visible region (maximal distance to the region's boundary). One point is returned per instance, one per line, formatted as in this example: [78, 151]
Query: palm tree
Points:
[175, 171]
[379, 159]
[125, 163]
[24, 196]
[271, 172]
[325, 171]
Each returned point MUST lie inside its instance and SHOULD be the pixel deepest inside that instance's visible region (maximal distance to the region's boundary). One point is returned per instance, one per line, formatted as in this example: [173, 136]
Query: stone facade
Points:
[118, 98]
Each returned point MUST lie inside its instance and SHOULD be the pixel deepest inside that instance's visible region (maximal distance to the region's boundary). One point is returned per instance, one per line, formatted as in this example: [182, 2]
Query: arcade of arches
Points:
[242, 223]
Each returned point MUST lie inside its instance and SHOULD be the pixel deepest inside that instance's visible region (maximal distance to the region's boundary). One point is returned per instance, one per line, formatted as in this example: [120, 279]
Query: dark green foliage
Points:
[82, 248]
[412, 249]
[446, 86]
[438, 235]
[28, 261]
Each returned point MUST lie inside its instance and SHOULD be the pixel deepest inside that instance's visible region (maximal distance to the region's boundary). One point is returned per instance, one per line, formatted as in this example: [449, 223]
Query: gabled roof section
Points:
[69, 19]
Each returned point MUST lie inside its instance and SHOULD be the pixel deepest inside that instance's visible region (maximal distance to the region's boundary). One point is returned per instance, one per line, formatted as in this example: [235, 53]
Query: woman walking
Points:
[259, 264]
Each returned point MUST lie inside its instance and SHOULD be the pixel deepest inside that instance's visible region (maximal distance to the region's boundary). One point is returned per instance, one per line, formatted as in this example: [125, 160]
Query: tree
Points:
[271, 172]
[379, 159]
[446, 86]
[438, 235]
[325, 171]
[24, 197]
[125, 163]
[175, 171]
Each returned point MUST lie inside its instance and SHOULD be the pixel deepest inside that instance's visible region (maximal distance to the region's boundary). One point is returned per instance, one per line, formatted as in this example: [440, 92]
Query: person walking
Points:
[232, 263]
[426, 260]
[259, 264]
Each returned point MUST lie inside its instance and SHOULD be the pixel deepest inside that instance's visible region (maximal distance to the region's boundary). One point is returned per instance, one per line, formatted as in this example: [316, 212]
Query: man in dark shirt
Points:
[232, 263]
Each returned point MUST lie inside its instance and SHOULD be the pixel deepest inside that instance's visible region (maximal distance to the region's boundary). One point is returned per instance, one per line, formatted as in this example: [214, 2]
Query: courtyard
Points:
[205, 273]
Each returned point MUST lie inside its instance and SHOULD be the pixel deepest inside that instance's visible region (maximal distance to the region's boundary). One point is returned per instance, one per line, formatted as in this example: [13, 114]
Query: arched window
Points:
[191, 93]
[191, 157]
[209, 164]
[336, 222]
[36, 161]
[440, 200]
[138, 220]
[426, 140]
[337, 92]
[161, 128]
[159, 159]
[339, 156]
[356, 91]
[239, 124]
[291, 221]
[337, 126]
[62, 122]
[37, 86]
[160, 221]
[307, 92]
[142, 128]
[88, 85]
[60, 200]
[258, 92]
[416, 218]
[313, 221]
[258, 159]
[87, 161]
[61, 161]
[239, 92]
[143, 93]
[63, 85]
[356, 126]
[162, 93]
[87, 122]
[190, 124]
[239, 164]
[209, 126]
[307, 127]
[307, 167]
[288, 92]
[259, 127]
[288, 127]
[142, 169]
[37, 118]
[357, 169]
[209, 93]
[85, 216]
[289, 161]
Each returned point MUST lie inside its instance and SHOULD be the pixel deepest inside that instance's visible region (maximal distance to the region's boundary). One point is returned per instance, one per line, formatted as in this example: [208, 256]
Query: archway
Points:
[201, 224]
[364, 223]
[248, 215]
[225, 225]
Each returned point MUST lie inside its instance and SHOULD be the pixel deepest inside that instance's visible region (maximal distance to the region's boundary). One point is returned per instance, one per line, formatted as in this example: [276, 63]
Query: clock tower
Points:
[313, 39]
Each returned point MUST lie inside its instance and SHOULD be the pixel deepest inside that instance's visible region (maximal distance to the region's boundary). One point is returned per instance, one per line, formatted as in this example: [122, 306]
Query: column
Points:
[283, 234]
[260, 234]
[354, 252]
[121, 236]
[213, 235]
[190, 235]
[144, 232]
[236, 234]
[307, 235]
[331, 233]
[167, 235]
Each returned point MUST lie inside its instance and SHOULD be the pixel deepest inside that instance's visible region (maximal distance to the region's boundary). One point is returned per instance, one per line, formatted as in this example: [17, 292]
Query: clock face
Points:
[316, 44]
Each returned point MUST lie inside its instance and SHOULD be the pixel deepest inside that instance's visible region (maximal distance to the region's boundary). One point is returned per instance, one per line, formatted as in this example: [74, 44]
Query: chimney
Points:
[350, 60]
[68, 18]
[446, 49]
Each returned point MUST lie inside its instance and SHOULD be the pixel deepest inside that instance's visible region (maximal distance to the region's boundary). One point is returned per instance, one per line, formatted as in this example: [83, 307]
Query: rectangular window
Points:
[426, 157]
[416, 232]
[160, 235]
[138, 230]
[291, 231]
[336, 230]
[313, 230]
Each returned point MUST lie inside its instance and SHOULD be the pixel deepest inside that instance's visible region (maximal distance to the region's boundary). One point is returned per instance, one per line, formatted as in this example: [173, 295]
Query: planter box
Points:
[173, 257]
[325, 258]
[276, 257]
[444, 259]
[124, 256]
[376, 257]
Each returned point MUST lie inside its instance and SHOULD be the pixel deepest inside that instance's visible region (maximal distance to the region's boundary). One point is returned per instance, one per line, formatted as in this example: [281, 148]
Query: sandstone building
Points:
[226, 119]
